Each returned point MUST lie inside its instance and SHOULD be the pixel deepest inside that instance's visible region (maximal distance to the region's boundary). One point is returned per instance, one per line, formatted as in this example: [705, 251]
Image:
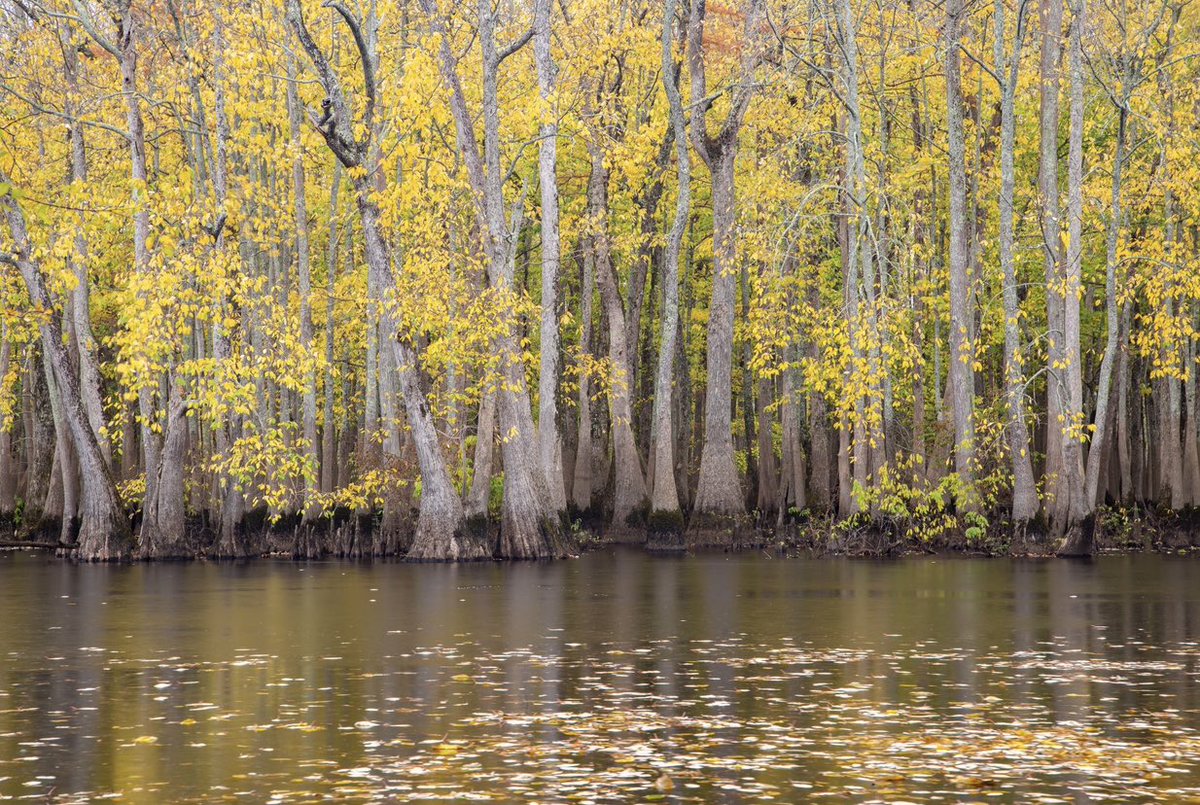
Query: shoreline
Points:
[372, 536]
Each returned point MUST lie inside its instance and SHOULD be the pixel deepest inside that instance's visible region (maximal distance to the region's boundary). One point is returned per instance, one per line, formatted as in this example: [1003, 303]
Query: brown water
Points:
[614, 677]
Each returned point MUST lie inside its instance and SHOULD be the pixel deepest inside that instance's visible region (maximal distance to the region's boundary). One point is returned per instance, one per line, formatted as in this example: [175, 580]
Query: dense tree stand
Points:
[461, 280]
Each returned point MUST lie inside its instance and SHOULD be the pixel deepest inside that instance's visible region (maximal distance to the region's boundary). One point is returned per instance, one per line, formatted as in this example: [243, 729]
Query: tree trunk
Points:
[1074, 504]
[1051, 240]
[530, 528]
[476, 507]
[665, 516]
[1099, 447]
[8, 459]
[719, 505]
[718, 492]
[441, 532]
[768, 468]
[581, 486]
[163, 534]
[629, 492]
[549, 437]
[1125, 415]
[1024, 496]
[231, 502]
[328, 429]
[127, 59]
[308, 430]
[38, 438]
[63, 504]
[793, 493]
[1191, 434]
[962, 352]
[85, 340]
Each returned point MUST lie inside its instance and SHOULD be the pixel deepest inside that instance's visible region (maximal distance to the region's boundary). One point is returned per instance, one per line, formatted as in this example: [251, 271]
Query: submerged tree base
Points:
[714, 530]
[365, 534]
[664, 532]
[441, 542]
[1079, 539]
[523, 538]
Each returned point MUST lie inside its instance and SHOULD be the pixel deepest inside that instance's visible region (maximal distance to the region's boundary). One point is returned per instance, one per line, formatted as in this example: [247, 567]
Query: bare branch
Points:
[516, 45]
[368, 60]
[85, 19]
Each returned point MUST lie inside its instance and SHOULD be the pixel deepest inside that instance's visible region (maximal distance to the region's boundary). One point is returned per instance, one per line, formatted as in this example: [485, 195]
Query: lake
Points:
[613, 677]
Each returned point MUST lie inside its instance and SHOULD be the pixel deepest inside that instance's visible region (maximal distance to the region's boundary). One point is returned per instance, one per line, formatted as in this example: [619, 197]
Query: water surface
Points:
[613, 677]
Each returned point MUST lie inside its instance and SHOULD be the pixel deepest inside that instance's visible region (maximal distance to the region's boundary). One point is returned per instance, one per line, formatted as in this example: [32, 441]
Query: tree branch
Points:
[335, 123]
[516, 45]
[85, 19]
[44, 110]
[368, 61]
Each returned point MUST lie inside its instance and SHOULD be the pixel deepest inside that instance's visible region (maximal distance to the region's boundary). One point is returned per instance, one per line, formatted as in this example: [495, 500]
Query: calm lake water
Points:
[614, 677]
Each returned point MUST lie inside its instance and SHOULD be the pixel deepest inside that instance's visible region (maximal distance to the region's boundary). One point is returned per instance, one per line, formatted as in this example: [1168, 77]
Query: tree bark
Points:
[629, 484]
[719, 503]
[231, 502]
[308, 429]
[665, 514]
[485, 439]
[582, 486]
[1051, 240]
[164, 524]
[127, 58]
[1100, 436]
[62, 505]
[328, 428]
[962, 352]
[85, 340]
[8, 459]
[549, 437]
[1074, 504]
[1024, 496]
[768, 466]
